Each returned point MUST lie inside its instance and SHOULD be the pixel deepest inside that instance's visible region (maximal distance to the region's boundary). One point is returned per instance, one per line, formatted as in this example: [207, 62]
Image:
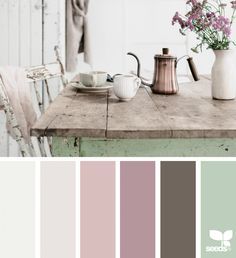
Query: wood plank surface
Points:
[192, 113]
[139, 118]
[74, 114]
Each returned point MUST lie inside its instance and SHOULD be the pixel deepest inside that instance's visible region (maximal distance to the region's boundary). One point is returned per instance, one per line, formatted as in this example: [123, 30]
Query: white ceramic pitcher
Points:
[224, 75]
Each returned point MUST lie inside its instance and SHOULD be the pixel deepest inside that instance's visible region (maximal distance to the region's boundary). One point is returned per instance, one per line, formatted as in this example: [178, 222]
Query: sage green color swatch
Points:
[218, 208]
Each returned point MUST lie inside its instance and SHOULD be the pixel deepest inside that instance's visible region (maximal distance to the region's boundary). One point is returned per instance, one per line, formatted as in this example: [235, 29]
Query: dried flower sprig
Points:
[208, 20]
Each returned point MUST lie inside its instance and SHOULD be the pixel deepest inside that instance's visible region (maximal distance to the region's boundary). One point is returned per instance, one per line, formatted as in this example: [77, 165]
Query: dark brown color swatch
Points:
[178, 202]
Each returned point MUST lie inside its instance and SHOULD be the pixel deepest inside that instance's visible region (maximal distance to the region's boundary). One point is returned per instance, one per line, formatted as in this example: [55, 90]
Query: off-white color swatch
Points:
[17, 214]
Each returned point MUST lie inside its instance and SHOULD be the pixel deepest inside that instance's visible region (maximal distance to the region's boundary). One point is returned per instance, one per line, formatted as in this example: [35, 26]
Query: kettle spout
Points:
[138, 62]
[139, 69]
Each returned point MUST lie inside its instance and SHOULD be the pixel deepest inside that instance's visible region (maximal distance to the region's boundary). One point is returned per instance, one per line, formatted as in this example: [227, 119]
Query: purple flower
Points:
[178, 19]
[227, 31]
[196, 12]
[175, 18]
[190, 25]
[211, 27]
[210, 15]
[222, 23]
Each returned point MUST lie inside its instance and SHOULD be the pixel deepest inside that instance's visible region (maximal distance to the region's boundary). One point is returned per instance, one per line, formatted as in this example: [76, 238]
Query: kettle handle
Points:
[193, 69]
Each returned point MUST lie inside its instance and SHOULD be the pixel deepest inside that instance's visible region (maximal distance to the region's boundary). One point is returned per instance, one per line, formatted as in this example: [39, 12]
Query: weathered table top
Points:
[190, 114]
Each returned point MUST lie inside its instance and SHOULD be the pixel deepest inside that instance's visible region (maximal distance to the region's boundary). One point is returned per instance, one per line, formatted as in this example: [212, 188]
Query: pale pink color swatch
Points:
[97, 210]
[137, 207]
[58, 209]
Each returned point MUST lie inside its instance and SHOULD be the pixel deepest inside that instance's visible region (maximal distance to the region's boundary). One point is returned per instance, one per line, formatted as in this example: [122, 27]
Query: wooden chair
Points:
[37, 76]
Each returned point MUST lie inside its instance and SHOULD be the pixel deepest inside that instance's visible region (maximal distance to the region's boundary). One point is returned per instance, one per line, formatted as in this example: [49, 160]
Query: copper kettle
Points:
[165, 77]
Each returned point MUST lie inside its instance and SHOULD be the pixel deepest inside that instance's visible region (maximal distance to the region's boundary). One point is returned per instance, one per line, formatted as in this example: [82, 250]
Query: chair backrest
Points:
[44, 73]
[48, 71]
[35, 75]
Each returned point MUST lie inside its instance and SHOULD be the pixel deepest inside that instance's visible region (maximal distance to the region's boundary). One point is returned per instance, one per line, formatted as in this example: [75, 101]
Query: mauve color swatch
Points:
[137, 209]
[97, 210]
[178, 202]
[58, 209]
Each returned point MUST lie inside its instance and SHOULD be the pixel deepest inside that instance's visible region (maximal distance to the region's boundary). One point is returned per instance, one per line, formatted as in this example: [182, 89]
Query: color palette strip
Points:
[119, 209]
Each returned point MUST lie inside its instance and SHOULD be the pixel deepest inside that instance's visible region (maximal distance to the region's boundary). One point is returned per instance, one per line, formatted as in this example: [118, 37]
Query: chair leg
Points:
[41, 147]
[24, 150]
[50, 144]
[32, 150]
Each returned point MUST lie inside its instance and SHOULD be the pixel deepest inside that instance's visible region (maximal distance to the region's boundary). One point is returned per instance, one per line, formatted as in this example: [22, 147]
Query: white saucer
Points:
[82, 88]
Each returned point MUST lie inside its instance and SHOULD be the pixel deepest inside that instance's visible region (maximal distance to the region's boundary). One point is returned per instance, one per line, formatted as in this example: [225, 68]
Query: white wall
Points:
[143, 27]
[149, 29]
[107, 26]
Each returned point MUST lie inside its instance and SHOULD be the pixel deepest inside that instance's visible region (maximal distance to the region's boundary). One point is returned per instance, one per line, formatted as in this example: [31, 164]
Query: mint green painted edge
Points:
[65, 147]
[87, 147]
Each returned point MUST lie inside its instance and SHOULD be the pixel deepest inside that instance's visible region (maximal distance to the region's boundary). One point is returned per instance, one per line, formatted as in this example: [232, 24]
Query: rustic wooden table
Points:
[188, 124]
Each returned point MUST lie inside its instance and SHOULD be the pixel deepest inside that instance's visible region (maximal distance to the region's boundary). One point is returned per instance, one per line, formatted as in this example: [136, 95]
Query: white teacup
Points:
[93, 79]
[126, 86]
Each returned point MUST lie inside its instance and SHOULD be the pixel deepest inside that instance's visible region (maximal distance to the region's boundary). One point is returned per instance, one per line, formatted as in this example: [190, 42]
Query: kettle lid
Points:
[165, 54]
